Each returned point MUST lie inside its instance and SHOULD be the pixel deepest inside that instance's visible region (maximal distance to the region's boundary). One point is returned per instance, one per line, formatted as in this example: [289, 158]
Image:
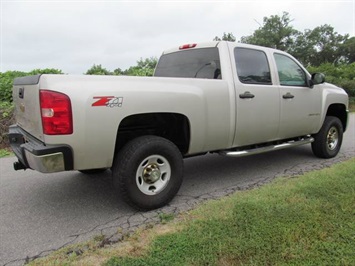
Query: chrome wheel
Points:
[332, 138]
[327, 142]
[153, 174]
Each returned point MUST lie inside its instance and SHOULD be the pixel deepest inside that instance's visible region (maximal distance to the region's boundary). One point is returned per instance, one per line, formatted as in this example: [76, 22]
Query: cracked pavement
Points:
[41, 213]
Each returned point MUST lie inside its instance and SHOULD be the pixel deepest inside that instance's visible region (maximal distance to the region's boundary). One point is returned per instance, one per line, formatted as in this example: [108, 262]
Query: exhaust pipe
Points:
[19, 166]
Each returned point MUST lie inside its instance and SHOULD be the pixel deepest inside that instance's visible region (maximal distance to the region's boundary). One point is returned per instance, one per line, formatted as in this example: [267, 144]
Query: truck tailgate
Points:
[25, 95]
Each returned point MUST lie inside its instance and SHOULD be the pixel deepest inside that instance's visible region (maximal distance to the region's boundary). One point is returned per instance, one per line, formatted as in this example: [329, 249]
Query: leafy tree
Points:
[98, 70]
[348, 50]
[326, 44]
[117, 72]
[321, 45]
[226, 37]
[312, 47]
[45, 71]
[276, 32]
[147, 63]
[144, 67]
[7, 79]
[342, 75]
[6, 83]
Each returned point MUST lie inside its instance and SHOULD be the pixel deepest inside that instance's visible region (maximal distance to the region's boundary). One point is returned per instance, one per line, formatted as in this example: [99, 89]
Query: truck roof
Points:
[213, 44]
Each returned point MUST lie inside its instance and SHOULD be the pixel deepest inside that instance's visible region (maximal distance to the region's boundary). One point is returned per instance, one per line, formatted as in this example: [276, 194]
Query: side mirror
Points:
[318, 78]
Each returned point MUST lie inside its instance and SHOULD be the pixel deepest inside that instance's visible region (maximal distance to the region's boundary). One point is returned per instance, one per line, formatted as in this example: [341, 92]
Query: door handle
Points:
[288, 96]
[246, 95]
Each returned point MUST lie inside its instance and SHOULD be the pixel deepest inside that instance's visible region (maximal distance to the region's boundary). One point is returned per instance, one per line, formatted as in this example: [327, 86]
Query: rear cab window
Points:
[201, 63]
[252, 66]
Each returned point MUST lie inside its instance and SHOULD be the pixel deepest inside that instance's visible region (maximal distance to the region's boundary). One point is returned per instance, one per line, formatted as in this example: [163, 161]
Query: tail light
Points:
[56, 113]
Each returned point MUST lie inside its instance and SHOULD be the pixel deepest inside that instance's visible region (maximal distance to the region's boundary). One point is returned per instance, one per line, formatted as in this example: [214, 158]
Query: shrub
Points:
[341, 75]
[6, 119]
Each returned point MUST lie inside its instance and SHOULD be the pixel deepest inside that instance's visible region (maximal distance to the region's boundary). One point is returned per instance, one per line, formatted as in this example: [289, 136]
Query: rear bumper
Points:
[34, 154]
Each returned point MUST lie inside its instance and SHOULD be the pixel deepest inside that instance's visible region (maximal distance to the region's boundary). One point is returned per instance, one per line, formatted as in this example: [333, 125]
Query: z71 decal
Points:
[108, 101]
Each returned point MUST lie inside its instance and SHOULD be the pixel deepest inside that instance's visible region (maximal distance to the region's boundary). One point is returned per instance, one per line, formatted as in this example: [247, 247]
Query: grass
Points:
[308, 220]
[5, 153]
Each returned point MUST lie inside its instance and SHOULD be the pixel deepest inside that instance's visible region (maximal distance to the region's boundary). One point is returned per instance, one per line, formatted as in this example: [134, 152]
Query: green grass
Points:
[5, 153]
[309, 220]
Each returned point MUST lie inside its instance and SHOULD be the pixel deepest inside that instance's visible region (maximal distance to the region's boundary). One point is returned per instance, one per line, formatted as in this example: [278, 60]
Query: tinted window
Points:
[290, 73]
[252, 66]
[194, 63]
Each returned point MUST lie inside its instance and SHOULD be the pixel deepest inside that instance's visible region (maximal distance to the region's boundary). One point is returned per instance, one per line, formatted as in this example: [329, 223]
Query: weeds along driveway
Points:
[40, 213]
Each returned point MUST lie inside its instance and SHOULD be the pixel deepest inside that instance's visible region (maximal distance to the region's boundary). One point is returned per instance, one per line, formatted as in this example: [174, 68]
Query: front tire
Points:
[327, 141]
[148, 172]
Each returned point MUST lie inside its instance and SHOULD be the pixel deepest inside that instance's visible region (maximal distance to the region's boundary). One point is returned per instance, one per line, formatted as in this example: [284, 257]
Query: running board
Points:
[292, 143]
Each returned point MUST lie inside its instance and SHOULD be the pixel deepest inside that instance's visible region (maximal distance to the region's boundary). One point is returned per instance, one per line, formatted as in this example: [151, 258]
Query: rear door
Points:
[257, 98]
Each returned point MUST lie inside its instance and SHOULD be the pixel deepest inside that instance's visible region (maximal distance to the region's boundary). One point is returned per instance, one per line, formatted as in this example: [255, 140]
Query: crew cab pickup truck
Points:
[217, 97]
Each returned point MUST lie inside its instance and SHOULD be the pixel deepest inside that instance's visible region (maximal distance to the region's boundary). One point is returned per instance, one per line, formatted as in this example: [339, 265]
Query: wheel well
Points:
[338, 110]
[172, 126]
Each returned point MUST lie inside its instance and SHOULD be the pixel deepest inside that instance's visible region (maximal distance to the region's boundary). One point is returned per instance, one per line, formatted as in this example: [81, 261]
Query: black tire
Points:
[148, 172]
[327, 141]
[93, 171]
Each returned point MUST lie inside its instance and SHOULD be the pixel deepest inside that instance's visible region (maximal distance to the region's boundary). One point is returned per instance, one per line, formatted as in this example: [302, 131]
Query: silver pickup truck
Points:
[217, 97]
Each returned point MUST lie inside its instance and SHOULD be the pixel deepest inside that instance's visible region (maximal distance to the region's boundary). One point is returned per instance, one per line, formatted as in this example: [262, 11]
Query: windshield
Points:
[194, 63]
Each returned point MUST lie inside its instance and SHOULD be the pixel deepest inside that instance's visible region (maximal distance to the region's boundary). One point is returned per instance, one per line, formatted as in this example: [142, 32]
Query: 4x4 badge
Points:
[108, 101]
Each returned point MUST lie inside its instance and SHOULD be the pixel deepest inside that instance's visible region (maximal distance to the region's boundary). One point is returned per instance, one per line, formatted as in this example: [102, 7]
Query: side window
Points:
[290, 73]
[252, 66]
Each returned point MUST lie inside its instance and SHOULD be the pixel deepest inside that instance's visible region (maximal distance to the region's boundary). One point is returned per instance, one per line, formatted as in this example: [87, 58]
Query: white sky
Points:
[74, 35]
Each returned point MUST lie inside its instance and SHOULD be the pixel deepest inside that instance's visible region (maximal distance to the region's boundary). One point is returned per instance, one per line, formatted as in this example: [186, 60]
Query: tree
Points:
[326, 43]
[144, 67]
[117, 72]
[320, 45]
[45, 71]
[98, 70]
[275, 32]
[226, 37]
[348, 50]
[312, 47]
[7, 79]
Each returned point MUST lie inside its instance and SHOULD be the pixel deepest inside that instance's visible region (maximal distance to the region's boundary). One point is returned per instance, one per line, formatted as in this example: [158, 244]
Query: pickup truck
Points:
[217, 97]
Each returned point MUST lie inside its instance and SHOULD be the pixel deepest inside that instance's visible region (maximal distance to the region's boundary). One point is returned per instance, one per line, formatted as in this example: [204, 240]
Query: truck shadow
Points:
[74, 191]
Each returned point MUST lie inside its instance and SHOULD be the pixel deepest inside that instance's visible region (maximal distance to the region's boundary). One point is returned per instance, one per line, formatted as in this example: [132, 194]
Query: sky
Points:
[74, 35]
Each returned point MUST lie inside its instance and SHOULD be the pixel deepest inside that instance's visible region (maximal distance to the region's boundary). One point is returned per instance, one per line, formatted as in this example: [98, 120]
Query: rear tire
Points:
[148, 172]
[327, 141]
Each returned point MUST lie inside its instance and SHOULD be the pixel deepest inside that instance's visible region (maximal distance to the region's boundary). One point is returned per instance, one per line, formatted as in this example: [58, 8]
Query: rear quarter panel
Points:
[204, 102]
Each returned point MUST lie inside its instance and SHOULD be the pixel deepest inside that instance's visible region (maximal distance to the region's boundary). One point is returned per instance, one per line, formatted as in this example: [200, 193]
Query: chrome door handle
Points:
[288, 96]
[246, 95]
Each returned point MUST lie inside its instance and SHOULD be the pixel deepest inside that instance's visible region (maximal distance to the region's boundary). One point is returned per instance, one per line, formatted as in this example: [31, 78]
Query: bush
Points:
[7, 80]
[7, 118]
[341, 75]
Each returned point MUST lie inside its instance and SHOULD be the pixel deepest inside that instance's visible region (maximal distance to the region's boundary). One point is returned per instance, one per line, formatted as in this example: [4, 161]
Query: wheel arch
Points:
[172, 126]
[339, 110]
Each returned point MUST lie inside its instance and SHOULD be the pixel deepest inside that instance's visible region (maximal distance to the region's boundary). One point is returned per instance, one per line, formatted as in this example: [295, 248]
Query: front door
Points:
[300, 104]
